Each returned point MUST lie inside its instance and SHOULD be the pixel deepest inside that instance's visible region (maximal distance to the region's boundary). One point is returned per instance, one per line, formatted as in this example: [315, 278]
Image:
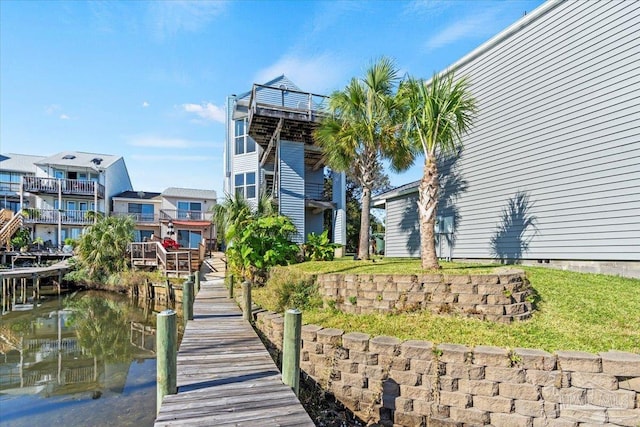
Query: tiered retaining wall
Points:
[416, 383]
[500, 297]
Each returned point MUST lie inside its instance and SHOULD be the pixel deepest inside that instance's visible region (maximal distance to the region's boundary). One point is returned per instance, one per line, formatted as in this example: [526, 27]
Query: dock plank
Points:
[226, 377]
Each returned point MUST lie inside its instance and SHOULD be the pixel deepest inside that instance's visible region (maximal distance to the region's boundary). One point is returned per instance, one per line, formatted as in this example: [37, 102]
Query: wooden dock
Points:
[226, 377]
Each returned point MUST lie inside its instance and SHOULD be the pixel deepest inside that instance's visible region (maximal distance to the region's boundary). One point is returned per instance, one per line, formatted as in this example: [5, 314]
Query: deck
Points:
[226, 377]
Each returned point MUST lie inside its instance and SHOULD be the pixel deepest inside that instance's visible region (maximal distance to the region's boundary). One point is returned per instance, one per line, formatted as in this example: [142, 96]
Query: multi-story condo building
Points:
[184, 214]
[270, 148]
[61, 194]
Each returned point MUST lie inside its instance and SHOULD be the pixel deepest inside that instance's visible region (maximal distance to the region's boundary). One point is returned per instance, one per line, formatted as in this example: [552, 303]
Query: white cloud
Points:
[314, 74]
[64, 117]
[51, 109]
[207, 111]
[170, 17]
[145, 104]
[472, 26]
[160, 142]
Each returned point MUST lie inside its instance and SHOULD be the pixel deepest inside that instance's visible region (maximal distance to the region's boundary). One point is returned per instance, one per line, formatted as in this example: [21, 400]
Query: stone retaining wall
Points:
[416, 383]
[501, 297]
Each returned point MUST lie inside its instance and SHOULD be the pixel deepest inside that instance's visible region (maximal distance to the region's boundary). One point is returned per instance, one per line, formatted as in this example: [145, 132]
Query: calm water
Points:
[81, 360]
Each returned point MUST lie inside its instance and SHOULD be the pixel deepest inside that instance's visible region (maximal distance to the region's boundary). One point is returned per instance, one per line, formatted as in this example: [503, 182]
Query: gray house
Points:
[269, 147]
[551, 170]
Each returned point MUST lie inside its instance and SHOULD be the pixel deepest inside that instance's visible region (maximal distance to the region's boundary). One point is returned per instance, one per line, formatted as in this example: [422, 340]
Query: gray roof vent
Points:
[96, 161]
[69, 157]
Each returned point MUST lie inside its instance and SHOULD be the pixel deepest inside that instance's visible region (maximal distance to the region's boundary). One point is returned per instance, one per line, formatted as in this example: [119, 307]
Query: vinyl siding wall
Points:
[402, 236]
[558, 121]
[291, 192]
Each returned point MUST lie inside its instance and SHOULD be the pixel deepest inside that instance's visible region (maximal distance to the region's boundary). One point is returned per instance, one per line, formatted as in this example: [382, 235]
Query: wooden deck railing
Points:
[76, 187]
[184, 215]
[50, 216]
[154, 254]
[10, 226]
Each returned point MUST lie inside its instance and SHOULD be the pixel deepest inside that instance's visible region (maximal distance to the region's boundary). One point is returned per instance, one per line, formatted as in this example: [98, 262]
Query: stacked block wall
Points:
[501, 297]
[416, 383]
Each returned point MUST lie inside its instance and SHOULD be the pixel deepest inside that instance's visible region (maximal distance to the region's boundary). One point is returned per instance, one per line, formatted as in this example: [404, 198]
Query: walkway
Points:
[225, 375]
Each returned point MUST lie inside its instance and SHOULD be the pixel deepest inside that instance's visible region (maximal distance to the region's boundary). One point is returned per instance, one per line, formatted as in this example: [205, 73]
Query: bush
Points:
[292, 289]
[319, 247]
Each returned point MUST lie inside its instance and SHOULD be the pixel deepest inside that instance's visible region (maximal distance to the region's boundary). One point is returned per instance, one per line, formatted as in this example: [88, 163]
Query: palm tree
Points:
[236, 211]
[359, 131]
[436, 114]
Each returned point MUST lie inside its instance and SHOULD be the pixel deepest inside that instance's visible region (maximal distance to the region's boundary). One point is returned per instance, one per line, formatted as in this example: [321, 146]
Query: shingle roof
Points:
[19, 162]
[189, 193]
[142, 195]
[80, 159]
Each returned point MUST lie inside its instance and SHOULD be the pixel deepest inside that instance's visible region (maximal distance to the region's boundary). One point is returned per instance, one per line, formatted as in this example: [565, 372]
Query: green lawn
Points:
[577, 311]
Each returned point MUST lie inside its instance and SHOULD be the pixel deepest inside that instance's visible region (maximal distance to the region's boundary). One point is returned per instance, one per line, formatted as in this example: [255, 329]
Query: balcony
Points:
[183, 215]
[73, 187]
[141, 218]
[51, 216]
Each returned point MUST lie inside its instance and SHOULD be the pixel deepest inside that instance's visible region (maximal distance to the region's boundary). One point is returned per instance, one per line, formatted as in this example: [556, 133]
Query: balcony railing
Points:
[76, 187]
[314, 192]
[67, 217]
[184, 215]
[140, 218]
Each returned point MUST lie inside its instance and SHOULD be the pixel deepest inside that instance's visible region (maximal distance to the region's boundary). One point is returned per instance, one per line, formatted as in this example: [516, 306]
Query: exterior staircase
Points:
[9, 224]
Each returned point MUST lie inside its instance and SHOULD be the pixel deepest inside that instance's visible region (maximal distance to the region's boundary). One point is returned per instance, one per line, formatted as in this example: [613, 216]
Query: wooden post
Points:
[291, 349]
[187, 301]
[246, 299]
[231, 285]
[167, 355]
[197, 283]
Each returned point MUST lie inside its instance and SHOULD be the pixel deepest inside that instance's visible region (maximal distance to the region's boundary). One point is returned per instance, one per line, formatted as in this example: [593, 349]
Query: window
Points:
[244, 144]
[189, 238]
[141, 211]
[189, 210]
[10, 181]
[245, 185]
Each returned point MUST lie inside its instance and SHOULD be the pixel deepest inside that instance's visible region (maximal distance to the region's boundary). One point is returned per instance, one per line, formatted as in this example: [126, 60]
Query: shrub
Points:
[293, 289]
[319, 247]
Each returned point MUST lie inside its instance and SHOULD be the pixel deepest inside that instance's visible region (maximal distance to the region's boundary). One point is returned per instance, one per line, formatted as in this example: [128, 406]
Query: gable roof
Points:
[80, 159]
[275, 82]
[19, 162]
[189, 193]
[380, 199]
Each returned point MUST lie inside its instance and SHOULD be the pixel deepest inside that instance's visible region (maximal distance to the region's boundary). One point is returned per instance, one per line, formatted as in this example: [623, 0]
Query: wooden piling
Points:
[231, 285]
[246, 299]
[187, 300]
[167, 355]
[196, 283]
[291, 349]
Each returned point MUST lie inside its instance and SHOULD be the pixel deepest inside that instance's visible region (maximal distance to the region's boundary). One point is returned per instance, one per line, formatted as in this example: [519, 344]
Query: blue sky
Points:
[148, 80]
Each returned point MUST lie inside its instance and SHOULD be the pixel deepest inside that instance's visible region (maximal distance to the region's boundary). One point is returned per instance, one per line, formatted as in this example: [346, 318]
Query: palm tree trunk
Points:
[363, 247]
[427, 207]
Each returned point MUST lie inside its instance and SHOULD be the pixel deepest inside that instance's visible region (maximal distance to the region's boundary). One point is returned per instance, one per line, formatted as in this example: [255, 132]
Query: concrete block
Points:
[459, 400]
[363, 358]
[472, 299]
[448, 383]
[400, 363]
[375, 372]
[511, 420]
[558, 422]
[461, 279]
[470, 372]
[409, 419]
[499, 374]
[415, 349]
[427, 366]
[621, 364]
[548, 378]
[478, 387]
[624, 417]
[348, 366]
[403, 404]
[469, 416]
[405, 377]
[584, 413]
[416, 393]
[495, 310]
[354, 380]
[535, 359]
[592, 380]
[453, 353]
[385, 345]
[463, 288]
[630, 384]
[579, 361]
[491, 356]
[621, 399]
[330, 336]
[518, 308]
[520, 391]
[309, 332]
[566, 396]
[484, 279]
[493, 404]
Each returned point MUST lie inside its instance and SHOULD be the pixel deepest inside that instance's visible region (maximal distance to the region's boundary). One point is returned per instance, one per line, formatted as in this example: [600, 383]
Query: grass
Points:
[576, 311]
